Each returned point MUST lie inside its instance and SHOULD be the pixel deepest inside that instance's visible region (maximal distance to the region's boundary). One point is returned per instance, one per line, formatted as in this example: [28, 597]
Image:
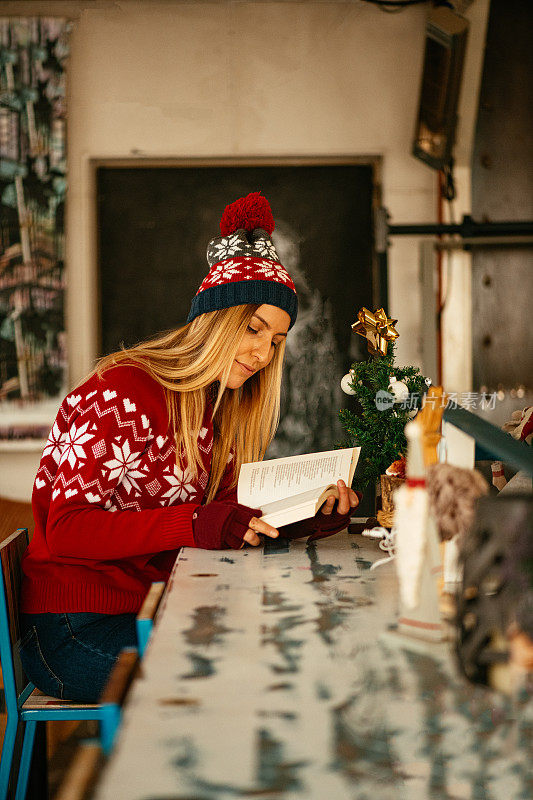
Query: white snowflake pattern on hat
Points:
[276, 271]
[227, 247]
[243, 262]
[265, 249]
[226, 270]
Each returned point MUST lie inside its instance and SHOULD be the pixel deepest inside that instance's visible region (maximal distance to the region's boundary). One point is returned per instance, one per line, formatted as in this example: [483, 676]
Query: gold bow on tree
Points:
[377, 328]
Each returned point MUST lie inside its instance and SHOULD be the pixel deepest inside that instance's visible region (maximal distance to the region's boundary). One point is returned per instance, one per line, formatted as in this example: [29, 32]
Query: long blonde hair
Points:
[189, 360]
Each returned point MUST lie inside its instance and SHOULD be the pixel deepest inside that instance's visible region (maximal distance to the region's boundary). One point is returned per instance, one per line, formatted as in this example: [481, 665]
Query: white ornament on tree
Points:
[398, 389]
[345, 384]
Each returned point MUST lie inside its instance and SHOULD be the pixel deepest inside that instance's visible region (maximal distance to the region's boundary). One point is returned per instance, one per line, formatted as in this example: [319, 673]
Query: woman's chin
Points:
[237, 376]
[235, 383]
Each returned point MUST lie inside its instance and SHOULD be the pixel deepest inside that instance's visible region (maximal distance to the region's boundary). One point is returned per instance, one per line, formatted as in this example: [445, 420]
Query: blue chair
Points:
[24, 703]
[125, 670]
[145, 618]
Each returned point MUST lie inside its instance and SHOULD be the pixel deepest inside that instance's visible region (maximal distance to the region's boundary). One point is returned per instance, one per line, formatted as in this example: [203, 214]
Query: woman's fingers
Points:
[258, 526]
[354, 500]
[327, 508]
[344, 498]
[251, 537]
[347, 500]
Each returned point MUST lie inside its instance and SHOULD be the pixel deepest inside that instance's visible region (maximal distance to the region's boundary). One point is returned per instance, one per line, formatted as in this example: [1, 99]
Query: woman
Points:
[144, 456]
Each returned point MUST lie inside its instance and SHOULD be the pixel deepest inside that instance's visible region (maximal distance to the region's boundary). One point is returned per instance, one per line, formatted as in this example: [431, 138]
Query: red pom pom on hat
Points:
[250, 212]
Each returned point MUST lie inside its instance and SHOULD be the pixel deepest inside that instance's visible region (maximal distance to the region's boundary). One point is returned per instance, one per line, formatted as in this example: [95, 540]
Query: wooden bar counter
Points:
[276, 673]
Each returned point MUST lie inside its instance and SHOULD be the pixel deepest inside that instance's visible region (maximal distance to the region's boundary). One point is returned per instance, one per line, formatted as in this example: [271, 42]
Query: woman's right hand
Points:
[255, 526]
[220, 525]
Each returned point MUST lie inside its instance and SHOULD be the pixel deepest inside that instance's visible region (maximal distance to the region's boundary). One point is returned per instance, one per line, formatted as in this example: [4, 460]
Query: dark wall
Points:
[154, 224]
[502, 189]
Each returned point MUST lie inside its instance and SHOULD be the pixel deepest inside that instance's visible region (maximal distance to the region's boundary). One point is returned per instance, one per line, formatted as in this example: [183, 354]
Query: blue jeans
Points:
[70, 656]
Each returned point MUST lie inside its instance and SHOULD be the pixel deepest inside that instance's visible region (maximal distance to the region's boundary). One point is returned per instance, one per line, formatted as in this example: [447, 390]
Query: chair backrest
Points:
[145, 618]
[124, 672]
[151, 602]
[11, 552]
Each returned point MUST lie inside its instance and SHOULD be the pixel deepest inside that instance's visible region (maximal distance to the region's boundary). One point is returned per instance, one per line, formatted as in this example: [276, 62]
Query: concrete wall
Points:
[178, 79]
[502, 189]
[234, 79]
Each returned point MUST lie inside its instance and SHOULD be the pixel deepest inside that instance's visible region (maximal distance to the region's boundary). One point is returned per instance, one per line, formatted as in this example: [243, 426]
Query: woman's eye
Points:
[252, 330]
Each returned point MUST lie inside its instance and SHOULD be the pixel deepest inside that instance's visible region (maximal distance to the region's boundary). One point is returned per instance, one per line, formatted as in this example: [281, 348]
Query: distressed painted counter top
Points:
[274, 674]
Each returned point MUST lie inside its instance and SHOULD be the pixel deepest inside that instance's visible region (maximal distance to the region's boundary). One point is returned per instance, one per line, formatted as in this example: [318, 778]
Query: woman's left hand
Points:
[335, 514]
[348, 500]
[333, 517]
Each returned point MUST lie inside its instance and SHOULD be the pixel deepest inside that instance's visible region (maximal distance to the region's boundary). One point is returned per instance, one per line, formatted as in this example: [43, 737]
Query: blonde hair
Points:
[189, 360]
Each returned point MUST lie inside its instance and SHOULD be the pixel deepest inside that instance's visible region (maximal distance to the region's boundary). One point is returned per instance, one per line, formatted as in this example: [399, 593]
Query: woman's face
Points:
[266, 330]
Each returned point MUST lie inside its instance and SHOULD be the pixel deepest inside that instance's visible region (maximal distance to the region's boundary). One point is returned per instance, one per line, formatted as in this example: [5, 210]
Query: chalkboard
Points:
[154, 223]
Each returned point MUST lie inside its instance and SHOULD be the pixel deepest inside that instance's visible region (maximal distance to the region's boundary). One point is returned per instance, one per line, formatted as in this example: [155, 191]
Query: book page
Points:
[295, 508]
[265, 481]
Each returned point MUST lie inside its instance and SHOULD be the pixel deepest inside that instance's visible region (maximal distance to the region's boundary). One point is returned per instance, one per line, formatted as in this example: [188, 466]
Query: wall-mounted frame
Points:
[33, 62]
[446, 36]
[33, 183]
[155, 217]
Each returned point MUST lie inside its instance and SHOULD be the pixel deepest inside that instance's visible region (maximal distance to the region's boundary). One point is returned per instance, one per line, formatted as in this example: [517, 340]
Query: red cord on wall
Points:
[439, 305]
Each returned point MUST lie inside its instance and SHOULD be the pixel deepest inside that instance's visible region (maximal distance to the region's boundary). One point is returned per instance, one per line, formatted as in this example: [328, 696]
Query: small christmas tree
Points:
[385, 398]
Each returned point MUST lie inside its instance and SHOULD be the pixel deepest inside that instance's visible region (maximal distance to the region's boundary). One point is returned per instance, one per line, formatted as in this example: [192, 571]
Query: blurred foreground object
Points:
[418, 559]
[453, 492]
[430, 419]
[495, 604]
[520, 426]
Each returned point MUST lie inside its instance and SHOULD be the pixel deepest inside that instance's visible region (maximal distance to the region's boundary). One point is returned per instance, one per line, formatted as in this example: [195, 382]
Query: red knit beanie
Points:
[244, 265]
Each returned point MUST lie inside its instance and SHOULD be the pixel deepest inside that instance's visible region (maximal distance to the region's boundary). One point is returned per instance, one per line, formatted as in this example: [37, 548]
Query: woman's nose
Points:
[261, 351]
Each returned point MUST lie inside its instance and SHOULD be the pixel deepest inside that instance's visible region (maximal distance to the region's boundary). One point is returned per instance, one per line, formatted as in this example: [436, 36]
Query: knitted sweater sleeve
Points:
[105, 431]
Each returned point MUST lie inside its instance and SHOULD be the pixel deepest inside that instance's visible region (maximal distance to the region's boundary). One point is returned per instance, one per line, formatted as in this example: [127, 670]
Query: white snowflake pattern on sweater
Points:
[181, 486]
[111, 453]
[124, 466]
[114, 449]
[72, 446]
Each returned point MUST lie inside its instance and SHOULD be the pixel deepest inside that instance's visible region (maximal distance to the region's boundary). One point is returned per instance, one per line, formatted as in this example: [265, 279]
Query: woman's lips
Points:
[247, 370]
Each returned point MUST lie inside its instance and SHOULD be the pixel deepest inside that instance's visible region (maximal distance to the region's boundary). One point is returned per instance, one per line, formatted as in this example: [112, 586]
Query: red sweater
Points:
[110, 505]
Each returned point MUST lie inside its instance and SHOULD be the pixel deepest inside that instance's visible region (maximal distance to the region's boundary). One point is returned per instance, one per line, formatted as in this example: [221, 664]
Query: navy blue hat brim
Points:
[240, 293]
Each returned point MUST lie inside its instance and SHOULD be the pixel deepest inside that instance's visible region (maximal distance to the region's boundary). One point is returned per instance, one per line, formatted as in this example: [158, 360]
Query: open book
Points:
[289, 489]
